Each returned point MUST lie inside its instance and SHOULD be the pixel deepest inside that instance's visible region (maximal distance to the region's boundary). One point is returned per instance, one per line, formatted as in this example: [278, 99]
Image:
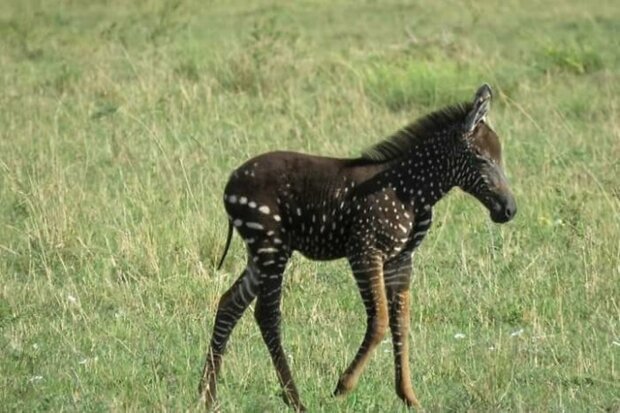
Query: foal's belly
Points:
[321, 255]
[318, 249]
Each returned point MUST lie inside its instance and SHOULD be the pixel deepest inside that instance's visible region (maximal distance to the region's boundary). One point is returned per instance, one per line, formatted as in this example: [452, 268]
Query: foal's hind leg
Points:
[230, 308]
[369, 276]
[271, 263]
[397, 275]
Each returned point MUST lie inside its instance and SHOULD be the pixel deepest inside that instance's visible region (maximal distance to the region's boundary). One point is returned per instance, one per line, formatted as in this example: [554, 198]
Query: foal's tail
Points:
[228, 239]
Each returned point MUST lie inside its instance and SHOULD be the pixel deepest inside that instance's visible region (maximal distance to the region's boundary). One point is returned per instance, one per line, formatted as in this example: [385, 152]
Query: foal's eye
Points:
[480, 157]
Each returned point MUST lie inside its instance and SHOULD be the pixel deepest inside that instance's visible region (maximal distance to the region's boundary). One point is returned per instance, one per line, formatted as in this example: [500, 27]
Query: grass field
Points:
[119, 124]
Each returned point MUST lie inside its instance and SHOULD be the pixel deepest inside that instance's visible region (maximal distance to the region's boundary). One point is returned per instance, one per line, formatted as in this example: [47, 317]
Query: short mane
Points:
[427, 126]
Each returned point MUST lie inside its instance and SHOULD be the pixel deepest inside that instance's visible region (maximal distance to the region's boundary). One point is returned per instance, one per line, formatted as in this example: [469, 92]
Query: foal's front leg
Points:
[397, 276]
[368, 272]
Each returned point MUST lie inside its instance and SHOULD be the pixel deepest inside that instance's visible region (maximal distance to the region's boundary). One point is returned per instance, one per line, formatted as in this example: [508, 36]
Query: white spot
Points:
[232, 199]
[243, 200]
[266, 250]
[277, 217]
[254, 225]
[252, 204]
[402, 228]
[299, 211]
[264, 209]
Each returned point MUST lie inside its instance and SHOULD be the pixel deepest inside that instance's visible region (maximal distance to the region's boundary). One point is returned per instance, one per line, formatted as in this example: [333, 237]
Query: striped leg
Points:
[369, 277]
[268, 316]
[230, 308]
[397, 275]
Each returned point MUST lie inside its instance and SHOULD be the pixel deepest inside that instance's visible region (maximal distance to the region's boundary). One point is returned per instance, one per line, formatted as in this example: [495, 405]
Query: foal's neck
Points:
[422, 176]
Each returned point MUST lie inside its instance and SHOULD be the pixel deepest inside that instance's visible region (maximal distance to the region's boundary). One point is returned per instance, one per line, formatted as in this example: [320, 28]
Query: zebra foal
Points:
[373, 210]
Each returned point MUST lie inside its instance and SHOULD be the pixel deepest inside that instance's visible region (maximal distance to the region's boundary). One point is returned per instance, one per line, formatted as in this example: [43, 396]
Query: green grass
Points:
[119, 124]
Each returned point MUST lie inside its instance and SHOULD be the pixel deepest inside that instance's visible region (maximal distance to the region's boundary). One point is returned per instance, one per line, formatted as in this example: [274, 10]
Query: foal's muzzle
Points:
[503, 208]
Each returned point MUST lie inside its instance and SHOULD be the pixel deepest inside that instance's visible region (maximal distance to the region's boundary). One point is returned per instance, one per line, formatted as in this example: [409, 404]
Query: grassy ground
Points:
[120, 121]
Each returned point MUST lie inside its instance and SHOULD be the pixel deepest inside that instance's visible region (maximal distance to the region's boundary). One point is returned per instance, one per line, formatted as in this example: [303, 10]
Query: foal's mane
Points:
[416, 132]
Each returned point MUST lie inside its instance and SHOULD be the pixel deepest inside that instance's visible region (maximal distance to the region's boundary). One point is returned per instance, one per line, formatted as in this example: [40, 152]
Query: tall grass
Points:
[120, 121]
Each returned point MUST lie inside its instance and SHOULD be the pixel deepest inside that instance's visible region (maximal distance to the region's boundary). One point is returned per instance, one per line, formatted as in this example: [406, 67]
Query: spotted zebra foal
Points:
[373, 210]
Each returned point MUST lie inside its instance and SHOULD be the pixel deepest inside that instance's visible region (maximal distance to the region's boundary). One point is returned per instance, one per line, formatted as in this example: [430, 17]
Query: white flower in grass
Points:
[459, 336]
[34, 379]
[88, 360]
[71, 299]
[517, 333]
[387, 342]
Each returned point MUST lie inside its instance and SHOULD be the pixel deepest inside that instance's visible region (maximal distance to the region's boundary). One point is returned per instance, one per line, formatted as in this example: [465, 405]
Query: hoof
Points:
[294, 404]
[410, 400]
[342, 389]
[209, 402]
[208, 397]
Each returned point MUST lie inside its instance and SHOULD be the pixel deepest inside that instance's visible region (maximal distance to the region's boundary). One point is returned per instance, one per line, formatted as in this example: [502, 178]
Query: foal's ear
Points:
[480, 107]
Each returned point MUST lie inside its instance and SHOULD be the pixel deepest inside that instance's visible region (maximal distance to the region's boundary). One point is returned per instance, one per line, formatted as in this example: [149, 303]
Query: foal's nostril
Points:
[510, 211]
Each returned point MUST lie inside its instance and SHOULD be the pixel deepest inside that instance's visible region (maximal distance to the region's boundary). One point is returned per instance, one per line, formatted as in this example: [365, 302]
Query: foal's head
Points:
[482, 174]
